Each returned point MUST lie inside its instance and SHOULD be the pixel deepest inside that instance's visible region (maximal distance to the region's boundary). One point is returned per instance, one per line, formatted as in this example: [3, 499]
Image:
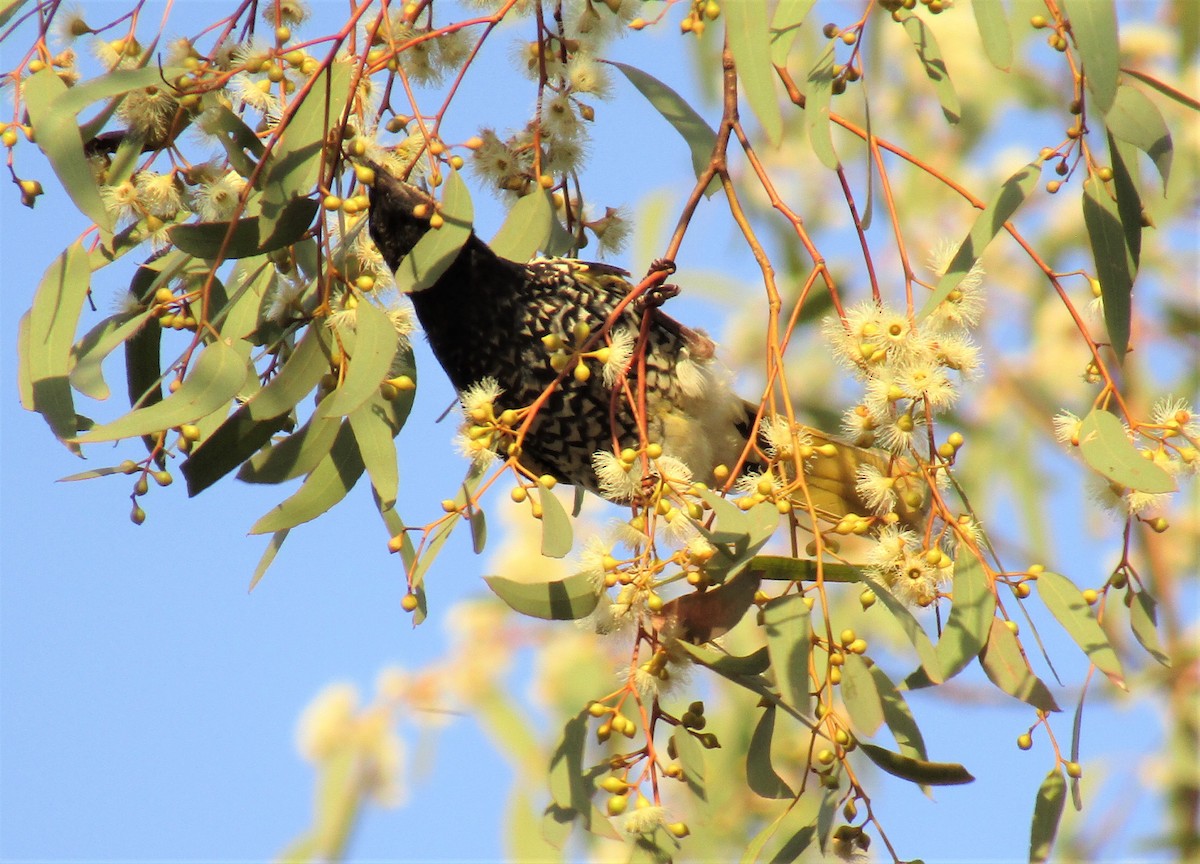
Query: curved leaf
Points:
[1105, 446]
[1135, 119]
[245, 238]
[700, 137]
[1129, 200]
[1047, 812]
[437, 250]
[216, 378]
[1143, 619]
[374, 347]
[327, 484]
[557, 536]
[1007, 668]
[691, 759]
[930, 664]
[935, 66]
[1115, 267]
[818, 96]
[785, 27]
[90, 352]
[898, 716]
[994, 32]
[374, 436]
[53, 317]
[971, 616]
[987, 225]
[730, 665]
[526, 228]
[1164, 88]
[59, 138]
[784, 568]
[750, 42]
[1094, 28]
[788, 632]
[268, 556]
[565, 599]
[295, 455]
[760, 775]
[860, 696]
[917, 770]
[478, 530]
[1065, 602]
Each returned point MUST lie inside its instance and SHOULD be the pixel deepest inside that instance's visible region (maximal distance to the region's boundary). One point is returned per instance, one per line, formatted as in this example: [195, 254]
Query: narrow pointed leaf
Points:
[785, 27]
[971, 615]
[760, 774]
[215, 379]
[375, 433]
[1105, 446]
[567, 786]
[729, 665]
[1094, 28]
[917, 770]
[691, 759]
[1135, 119]
[782, 568]
[1065, 602]
[788, 632]
[442, 533]
[245, 237]
[1143, 619]
[1047, 812]
[59, 138]
[987, 225]
[375, 342]
[1129, 201]
[566, 599]
[557, 536]
[526, 228]
[268, 556]
[1166, 89]
[700, 137]
[935, 66]
[860, 696]
[818, 96]
[994, 32]
[89, 353]
[24, 378]
[1114, 261]
[912, 628]
[324, 487]
[1007, 668]
[296, 455]
[898, 716]
[437, 250]
[53, 317]
[750, 41]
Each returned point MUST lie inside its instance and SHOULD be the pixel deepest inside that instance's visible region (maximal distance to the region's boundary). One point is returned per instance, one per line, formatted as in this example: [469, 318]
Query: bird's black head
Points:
[395, 225]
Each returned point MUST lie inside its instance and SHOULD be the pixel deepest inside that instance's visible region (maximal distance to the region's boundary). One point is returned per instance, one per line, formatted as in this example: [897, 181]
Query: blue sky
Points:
[147, 701]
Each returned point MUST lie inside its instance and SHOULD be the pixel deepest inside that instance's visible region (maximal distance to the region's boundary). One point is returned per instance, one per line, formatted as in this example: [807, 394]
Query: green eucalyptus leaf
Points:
[568, 788]
[214, 380]
[917, 770]
[89, 353]
[788, 632]
[1007, 668]
[1166, 89]
[1143, 619]
[557, 535]
[268, 556]
[931, 665]
[818, 98]
[438, 249]
[1135, 119]
[729, 665]
[1065, 602]
[375, 343]
[567, 599]
[1115, 267]
[1129, 200]
[971, 616]
[1047, 812]
[53, 317]
[785, 27]
[749, 39]
[526, 228]
[897, 715]
[295, 455]
[327, 484]
[691, 759]
[1105, 446]
[244, 238]
[478, 530]
[1094, 28]
[994, 32]
[935, 66]
[783, 568]
[760, 774]
[860, 696]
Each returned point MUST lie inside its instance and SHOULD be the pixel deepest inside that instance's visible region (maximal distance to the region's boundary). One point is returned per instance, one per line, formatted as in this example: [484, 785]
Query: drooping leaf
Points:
[818, 97]
[526, 228]
[1065, 602]
[700, 137]
[987, 225]
[1143, 619]
[59, 138]
[1047, 812]
[241, 145]
[971, 615]
[437, 250]
[557, 535]
[798, 829]
[1129, 200]
[568, 788]
[860, 696]
[374, 433]
[898, 716]
[92, 474]
[327, 484]
[785, 27]
[53, 317]
[1114, 262]
[567, 599]
[1105, 446]
[994, 32]
[214, 380]
[295, 455]
[244, 238]
[1166, 89]
[729, 665]
[760, 774]
[935, 66]
[788, 632]
[1094, 28]
[1006, 667]
[442, 533]
[89, 353]
[917, 770]
[1134, 118]
[749, 40]
[9, 8]
[931, 665]
[268, 556]
[375, 342]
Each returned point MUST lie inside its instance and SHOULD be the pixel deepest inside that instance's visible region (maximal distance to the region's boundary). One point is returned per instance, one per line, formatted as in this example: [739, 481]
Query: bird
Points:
[495, 323]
